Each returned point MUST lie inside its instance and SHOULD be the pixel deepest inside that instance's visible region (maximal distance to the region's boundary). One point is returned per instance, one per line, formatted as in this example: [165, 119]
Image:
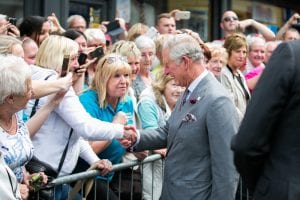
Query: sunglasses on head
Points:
[228, 19]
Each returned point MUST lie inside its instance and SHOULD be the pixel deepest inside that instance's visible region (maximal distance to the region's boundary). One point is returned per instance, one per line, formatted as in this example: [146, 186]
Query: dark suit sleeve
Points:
[252, 143]
[222, 124]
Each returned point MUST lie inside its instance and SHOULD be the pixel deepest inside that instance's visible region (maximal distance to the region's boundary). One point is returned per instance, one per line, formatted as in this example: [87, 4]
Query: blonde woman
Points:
[56, 132]
[154, 108]
[107, 100]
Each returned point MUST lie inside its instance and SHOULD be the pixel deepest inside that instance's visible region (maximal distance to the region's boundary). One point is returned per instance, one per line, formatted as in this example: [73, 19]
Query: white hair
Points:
[13, 77]
[72, 18]
[183, 44]
[144, 42]
[251, 40]
[94, 34]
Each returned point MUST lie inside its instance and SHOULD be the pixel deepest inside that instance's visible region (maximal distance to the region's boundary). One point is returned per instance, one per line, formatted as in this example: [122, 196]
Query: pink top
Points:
[254, 72]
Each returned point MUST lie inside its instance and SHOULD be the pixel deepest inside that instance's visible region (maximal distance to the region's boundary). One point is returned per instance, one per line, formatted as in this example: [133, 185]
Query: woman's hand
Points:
[120, 118]
[103, 165]
[24, 190]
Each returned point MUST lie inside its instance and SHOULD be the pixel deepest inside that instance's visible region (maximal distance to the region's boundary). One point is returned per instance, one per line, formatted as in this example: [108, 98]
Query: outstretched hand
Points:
[129, 137]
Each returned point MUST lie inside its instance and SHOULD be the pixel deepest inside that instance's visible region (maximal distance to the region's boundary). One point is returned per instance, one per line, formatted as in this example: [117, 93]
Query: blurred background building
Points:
[205, 14]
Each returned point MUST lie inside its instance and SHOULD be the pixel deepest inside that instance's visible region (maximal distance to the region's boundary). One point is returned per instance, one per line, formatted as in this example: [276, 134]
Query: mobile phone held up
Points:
[182, 15]
[97, 53]
[82, 58]
[65, 66]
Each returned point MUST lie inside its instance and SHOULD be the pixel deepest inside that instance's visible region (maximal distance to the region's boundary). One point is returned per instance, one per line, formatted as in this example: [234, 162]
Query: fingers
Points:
[104, 165]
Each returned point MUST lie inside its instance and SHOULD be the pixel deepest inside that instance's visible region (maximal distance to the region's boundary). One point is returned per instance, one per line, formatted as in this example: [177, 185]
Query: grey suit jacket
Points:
[199, 162]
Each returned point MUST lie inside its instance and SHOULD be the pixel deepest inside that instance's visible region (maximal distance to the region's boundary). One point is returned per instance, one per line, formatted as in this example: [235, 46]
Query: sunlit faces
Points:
[257, 54]
[215, 65]
[166, 26]
[147, 55]
[117, 84]
[134, 62]
[81, 41]
[172, 92]
[237, 58]
[17, 50]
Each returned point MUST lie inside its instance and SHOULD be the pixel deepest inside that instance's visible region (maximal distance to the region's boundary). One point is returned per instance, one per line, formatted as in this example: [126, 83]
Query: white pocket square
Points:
[189, 118]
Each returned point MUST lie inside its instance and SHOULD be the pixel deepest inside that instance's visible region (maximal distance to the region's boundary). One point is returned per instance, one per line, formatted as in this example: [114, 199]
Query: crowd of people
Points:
[216, 111]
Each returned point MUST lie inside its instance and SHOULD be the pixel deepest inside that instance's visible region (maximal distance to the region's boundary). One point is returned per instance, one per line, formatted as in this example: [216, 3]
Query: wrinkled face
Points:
[78, 24]
[134, 63]
[17, 50]
[237, 59]
[117, 85]
[30, 51]
[215, 65]
[229, 21]
[174, 70]
[81, 41]
[166, 26]
[257, 54]
[147, 55]
[172, 92]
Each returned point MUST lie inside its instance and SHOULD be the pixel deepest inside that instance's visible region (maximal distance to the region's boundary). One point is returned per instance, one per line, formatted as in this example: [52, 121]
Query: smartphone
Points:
[114, 28]
[65, 66]
[12, 20]
[182, 15]
[97, 53]
[82, 58]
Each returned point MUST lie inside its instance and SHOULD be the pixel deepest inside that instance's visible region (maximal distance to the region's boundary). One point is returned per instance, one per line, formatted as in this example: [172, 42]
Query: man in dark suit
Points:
[199, 162]
[267, 146]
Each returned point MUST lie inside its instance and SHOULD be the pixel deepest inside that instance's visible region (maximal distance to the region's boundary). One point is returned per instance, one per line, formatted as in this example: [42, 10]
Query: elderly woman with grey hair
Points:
[144, 77]
[15, 92]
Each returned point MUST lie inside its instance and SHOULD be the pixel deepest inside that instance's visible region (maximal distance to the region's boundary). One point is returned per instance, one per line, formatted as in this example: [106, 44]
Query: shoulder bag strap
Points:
[36, 103]
[61, 162]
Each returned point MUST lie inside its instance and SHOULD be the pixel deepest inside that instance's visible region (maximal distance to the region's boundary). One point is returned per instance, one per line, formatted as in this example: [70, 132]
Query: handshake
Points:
[130, 136]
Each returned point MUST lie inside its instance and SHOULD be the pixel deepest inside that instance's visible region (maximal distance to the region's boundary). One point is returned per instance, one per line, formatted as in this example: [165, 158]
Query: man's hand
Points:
[103, 165]
[129, 137]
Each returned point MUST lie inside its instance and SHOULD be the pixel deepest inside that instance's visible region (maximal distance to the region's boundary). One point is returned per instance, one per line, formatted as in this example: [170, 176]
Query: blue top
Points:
[114, 151]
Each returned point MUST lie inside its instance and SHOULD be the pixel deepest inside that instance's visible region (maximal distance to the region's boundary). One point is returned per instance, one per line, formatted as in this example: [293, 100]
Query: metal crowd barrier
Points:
[116, 168]
[242, 193]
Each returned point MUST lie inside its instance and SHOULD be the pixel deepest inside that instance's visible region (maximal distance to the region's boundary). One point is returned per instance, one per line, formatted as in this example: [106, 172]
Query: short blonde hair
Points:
[7, 43]
[53, 50]
[107, 67]
[218, 51]
[126, 48]
[136, 30]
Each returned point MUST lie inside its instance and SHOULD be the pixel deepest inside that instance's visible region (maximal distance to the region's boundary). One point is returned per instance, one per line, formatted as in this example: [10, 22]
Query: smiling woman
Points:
[107, 100]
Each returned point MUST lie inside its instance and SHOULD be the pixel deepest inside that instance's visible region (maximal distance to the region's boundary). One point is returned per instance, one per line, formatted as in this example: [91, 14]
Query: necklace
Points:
[8, 130]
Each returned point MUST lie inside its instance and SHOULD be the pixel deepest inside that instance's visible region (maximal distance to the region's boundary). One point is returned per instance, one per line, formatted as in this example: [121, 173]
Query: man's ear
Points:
[221, 25]
[186, 60]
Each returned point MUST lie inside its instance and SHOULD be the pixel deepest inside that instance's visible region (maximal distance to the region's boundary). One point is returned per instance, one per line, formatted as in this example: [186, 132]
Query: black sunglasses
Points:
[228, 19]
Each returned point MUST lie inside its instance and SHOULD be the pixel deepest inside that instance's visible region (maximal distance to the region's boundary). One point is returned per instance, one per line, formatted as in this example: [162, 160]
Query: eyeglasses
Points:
[112, 59]
[228, 19]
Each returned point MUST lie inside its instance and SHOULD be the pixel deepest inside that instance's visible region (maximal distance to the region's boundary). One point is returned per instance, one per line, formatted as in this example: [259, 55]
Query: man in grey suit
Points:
[199, 162]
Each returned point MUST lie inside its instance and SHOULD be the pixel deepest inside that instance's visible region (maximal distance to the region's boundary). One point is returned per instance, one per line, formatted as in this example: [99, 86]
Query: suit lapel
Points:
[176, 119]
